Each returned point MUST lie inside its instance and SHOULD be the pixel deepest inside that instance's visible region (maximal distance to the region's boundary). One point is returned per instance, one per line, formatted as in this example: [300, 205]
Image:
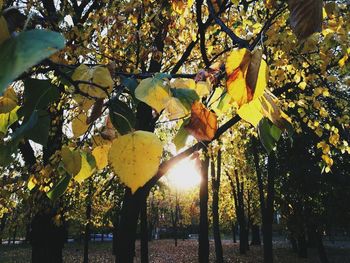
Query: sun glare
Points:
[183, 176]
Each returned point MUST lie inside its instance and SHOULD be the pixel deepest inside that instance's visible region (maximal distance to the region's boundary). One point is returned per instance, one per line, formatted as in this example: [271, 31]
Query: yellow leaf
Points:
[96, 75]
[8, 101]
[31, 182]
[79, 126]
[84, 103]
[175, 109]
[135, 158]
[183, 84]
[100, 154]
[4, 31]
[6, 105]
[71, 160]
[98, 140]
[87, 167]
[203, 88]
[6, 119]
[251, 112]
[153, 92]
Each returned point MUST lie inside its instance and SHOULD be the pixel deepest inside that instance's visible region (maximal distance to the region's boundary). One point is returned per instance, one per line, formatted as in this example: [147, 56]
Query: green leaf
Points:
[224, 101]
[60, 187]
[38, 94]
[122, 117]
[6, 119]
[186, 96]
[181, 137]
[88, 166]
[269, 134]
[36, 128]
[162, 76]
[19, 53]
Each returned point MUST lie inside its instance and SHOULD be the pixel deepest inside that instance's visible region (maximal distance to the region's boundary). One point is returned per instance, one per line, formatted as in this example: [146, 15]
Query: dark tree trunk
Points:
[203, 251]
[125, 245]
[88, 222]
[215, 204]
[115, 233]
[243, 233]
[302, 245]
[321, 249]
[144, 232]
[234, 230]
[47, 239]
[294, 244]
[266, 206]
[237, 190]
[256, 241]
[14, 235]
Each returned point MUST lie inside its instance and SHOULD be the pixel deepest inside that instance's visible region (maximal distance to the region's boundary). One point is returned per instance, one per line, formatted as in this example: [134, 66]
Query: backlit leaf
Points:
[100, 154]
[153, 92]
[8, 101]
[269, 134]
[135, 157]
[6, 119]
[88, 165]
[246, 75]
[181, 137]
[203, 123]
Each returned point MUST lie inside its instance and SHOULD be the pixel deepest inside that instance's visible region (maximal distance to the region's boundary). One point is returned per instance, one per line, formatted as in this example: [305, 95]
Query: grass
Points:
[164, 251]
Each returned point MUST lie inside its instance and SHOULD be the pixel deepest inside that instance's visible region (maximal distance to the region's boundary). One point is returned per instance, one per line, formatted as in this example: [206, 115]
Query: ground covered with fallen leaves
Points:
[164, 251]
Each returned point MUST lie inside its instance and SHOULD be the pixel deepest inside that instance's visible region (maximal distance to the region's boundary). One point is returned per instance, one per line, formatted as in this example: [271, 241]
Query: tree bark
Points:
[125, 244]
[88, 222]
[47, 239]
[234, 239]
[266, 206]
[302, 245]
[144, 232]
[215, 206]
[321, 249]
[203, 251]
[256, 241]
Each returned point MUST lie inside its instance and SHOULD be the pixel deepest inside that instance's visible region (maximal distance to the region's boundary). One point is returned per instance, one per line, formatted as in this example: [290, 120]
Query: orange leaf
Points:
[246, 75]
[203, 123]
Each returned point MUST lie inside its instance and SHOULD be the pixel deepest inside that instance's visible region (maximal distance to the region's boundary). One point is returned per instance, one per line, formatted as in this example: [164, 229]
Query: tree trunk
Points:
[88, 222]
[302, 245]
[266, 206]
[255, 235]
[125, 244]
[321, 249]
[243, 237]
[268, 211]
[203, 251]
[234, 239]
[47, 239]
[14, 235]
[144, 232]
[215, 204]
